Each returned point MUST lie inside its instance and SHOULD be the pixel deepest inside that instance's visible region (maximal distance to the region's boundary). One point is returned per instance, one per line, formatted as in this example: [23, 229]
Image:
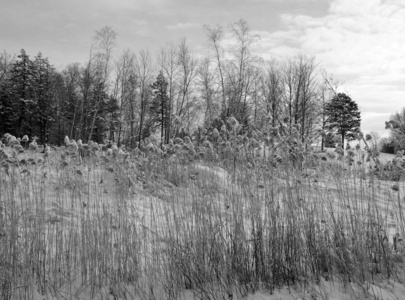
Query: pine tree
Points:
[22, 93]
[30, 99]
[43, 97]
[159, 108]
[344, 116]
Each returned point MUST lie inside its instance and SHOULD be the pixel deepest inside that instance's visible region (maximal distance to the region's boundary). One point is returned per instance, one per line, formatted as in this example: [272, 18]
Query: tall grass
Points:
[148, 227]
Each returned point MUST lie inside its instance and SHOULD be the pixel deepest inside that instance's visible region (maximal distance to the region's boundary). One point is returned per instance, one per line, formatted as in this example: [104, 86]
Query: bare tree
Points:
[71, 78]
[6, 63]
[105, 41]
[241, 70]
[187, 62]
[308, 101]
[327, 89]
[300, 93]
[169, 66]
[206, 80]
[144, 70]
[86, 83]
[330, 82]
[124, 91]
[271, 92]
[215, 36]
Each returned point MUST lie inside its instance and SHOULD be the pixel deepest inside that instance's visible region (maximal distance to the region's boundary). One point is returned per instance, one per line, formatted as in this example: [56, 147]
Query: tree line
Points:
[124, 98]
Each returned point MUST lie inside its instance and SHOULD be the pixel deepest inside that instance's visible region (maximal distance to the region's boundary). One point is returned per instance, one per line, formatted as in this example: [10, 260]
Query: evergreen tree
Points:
[6, 63]
[27, 103]
[159, 108]
[44, 97]
[31, 99]
[21, 87]
[343, 116]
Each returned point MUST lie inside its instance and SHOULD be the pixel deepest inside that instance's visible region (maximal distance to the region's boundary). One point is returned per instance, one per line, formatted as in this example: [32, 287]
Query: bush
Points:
[391, 171]
[387, 145]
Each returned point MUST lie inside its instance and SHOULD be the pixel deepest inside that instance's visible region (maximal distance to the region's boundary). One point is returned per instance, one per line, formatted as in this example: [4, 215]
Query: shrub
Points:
[386, 145]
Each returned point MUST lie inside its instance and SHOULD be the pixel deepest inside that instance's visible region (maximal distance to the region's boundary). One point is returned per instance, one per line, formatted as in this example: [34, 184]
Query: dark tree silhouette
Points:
[160, 106]
[344, 116]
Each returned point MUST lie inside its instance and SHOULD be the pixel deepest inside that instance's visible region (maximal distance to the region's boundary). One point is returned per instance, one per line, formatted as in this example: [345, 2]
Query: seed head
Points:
[150, 147]
[33, 146]
[114, 148]
[187, 140]
[207, 144]
[232, 122]
[215, 133]
[178, 140]
[73, 145]
[4, 155]
[12, 140]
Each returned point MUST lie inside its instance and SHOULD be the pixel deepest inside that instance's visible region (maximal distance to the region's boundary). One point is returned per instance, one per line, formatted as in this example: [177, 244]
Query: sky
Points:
[360, 42]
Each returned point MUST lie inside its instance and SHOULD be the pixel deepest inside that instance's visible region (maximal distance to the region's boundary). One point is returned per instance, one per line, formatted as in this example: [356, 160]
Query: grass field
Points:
[142, 226]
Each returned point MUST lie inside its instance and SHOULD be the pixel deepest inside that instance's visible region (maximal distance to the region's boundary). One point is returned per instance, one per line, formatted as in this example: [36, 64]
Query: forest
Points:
[126, 97]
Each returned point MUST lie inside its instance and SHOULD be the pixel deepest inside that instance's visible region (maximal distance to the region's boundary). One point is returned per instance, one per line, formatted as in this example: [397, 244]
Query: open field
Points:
[141, 226]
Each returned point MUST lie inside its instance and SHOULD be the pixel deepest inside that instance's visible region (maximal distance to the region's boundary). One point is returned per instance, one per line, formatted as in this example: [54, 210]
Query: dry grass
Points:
[146, 227]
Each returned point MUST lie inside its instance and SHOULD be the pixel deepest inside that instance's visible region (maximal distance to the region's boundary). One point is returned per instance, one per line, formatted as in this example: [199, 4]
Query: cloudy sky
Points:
[362, 42]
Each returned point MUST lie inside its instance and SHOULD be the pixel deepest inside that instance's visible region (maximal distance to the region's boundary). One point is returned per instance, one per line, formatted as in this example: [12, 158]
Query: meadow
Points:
[224, 217]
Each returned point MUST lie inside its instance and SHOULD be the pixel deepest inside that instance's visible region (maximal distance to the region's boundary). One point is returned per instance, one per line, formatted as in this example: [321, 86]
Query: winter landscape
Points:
[247, 155]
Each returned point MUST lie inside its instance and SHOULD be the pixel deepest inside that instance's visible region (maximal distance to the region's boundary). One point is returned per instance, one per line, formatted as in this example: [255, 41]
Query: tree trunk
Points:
[168, 121]
[93, 122]
[119, 134]
[343, 139]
